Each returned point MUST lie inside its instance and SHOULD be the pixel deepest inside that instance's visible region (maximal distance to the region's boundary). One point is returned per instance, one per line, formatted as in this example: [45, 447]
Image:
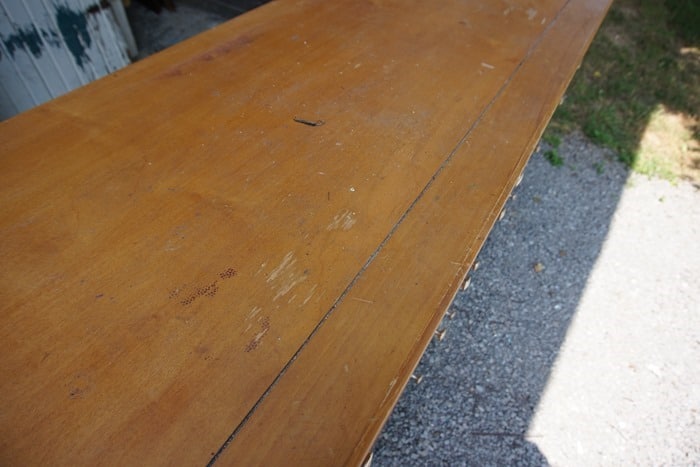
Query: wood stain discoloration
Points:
[210, 55]
[209, 290]
[227, 274]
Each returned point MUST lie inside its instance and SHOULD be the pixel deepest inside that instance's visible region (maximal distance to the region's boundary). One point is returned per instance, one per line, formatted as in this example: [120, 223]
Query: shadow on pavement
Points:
[483, 382]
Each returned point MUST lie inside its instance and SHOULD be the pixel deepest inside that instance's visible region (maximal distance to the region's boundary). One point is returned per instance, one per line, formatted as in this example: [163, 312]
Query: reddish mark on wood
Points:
[208, 56]
[227, 274]
[255, 342]
[208, 290]
[174, 293]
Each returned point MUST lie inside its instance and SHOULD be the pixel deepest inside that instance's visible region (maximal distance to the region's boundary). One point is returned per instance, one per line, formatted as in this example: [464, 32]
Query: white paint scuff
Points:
[344, 220]
[285, 276]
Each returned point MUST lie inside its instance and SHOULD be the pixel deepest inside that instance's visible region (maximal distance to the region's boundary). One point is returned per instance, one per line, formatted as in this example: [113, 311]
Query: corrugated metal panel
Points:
[50, 47]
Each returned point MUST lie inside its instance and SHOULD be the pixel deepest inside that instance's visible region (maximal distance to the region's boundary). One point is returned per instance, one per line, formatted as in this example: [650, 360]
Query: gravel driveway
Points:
[593, 360]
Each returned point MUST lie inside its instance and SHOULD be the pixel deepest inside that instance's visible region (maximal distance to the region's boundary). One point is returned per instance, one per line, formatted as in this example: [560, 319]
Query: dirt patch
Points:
[668, 147]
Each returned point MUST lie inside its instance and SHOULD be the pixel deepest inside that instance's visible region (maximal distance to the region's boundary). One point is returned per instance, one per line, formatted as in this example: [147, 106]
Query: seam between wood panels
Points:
[388, 237]
[483, 232]
[490, 221]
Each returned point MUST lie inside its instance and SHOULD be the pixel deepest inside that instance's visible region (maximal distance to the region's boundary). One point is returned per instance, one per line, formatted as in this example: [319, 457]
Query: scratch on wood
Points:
[362, 300]
[388, 391]
[289, 286]
[309, 122]
[311, 294]
[344, 220]
[287, 261]
[284, 277]
[254, 312]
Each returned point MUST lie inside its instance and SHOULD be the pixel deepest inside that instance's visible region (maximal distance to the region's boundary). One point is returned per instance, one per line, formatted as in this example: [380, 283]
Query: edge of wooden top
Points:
[278, 423]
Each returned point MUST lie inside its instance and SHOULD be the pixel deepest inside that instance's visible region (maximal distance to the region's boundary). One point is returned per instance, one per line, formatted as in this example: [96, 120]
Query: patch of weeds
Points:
[599, 168]
[653, 166]
[552, 139]
[603, 127]
[552, 155]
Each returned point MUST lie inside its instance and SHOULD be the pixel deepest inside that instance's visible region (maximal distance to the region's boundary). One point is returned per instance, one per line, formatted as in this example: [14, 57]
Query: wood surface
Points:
[191, 276]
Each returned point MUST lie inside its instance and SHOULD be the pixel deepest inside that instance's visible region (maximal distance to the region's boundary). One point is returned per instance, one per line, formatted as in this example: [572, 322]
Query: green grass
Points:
[645, 57]
[552, 154]
[554, 158]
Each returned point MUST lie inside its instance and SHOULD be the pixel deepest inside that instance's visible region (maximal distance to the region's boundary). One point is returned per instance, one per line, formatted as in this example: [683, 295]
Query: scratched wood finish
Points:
[191, 275]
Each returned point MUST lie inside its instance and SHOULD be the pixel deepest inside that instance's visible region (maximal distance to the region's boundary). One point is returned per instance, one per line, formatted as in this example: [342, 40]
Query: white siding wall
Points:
[49, 47]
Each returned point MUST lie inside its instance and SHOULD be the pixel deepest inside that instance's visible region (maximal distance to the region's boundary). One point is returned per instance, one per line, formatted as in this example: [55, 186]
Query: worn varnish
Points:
[237, 250]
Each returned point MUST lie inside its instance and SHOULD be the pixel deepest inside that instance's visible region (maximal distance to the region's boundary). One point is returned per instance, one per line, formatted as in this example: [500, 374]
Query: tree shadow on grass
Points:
[638, 90]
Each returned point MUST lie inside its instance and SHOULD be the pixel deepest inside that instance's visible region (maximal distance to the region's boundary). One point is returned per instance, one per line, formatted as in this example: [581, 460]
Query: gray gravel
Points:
[595, 360]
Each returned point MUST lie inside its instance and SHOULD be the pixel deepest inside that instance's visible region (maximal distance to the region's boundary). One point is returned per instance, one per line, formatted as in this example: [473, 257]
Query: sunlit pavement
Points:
[626, 384]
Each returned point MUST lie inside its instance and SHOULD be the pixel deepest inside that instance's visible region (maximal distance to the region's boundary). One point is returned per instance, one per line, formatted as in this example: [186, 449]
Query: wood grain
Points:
[183, 261]
[412, 280]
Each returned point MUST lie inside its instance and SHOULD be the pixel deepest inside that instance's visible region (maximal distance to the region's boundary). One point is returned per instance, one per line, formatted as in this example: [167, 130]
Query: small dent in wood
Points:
[80, 386]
